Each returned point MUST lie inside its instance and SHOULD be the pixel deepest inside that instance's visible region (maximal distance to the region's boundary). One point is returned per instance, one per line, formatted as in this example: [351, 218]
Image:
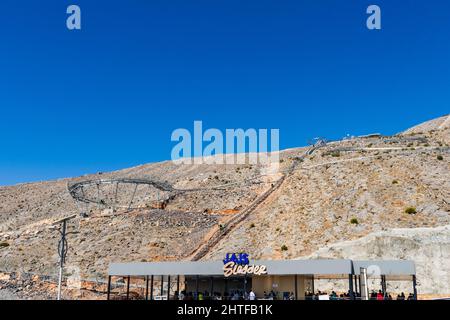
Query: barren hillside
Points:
[339, 192]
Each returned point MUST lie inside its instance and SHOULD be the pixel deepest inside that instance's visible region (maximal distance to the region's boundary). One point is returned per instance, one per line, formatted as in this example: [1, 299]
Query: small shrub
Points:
[335, 154]
[354, 221]
[284, 247]
[394, 182]
[440, 158]
[410, 210]
[4, 244]
[252, 225]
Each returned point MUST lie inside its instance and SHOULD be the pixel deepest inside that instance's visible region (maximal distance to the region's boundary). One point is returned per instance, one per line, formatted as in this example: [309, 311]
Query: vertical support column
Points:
[132, 197]
[98, 196]
[226, 289]
[196, 287]
[115, 197]
[363, 284]
[178, 286]
[414, 286]
[383, 285]
[296, 289]
[162, 288]
[128, 287]
[62, 251]
[146, 287]
[245, 285]
[355, 277]
[312, 285]
[350, 287]
[212, 287]
[108, 292]
[168, 288]
[151, 289]
[359, 285]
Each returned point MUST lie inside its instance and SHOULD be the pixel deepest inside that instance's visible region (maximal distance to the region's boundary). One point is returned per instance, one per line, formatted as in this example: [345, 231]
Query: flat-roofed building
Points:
[215, 279]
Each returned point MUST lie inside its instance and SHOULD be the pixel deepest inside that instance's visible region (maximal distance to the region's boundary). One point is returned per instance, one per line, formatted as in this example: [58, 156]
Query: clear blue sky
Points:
[109, 96]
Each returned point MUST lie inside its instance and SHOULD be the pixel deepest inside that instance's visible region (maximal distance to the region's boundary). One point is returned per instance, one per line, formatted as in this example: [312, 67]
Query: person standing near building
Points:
[252, 295]
[380, 295]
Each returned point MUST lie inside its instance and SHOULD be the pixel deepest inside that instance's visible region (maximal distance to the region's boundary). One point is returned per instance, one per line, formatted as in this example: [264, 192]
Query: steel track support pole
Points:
[115, 197]
[98, 196]
[61, 258]
[132, 198]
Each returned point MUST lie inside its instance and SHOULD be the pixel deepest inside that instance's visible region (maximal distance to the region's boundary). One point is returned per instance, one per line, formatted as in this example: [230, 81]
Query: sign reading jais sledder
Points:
[239, 264]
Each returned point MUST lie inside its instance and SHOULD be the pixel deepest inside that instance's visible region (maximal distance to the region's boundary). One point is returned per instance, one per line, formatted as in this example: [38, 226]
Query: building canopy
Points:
[316, 267]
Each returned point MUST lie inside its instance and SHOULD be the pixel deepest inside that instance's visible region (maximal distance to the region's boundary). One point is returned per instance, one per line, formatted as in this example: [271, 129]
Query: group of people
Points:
[346, 296]
[234, 295]
[401, 296]
[272, 295]
[205, 295]
[319, 295]
[380, 296]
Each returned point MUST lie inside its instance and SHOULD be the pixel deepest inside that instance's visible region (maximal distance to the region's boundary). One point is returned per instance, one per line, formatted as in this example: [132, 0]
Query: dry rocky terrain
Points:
[332, 204]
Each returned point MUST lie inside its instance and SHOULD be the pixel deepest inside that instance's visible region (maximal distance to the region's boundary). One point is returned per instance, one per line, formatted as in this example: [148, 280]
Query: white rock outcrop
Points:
[428, 247]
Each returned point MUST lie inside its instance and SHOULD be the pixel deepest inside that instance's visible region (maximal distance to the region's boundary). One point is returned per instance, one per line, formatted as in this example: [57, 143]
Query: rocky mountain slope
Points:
[344, 191]
[428, 247]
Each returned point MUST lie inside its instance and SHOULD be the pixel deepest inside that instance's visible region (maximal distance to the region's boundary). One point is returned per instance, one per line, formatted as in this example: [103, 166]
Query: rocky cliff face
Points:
[428, 247]
[350, 190]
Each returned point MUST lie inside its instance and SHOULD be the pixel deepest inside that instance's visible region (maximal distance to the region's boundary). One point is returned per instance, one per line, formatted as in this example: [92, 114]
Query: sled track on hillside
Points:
[79, 193]
[237, 219]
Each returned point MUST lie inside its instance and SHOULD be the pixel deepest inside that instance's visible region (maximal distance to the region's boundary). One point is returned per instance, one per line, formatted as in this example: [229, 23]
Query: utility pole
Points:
[62, 248]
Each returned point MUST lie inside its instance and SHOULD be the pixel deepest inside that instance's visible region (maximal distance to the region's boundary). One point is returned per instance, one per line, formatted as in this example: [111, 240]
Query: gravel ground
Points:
[6, 294]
